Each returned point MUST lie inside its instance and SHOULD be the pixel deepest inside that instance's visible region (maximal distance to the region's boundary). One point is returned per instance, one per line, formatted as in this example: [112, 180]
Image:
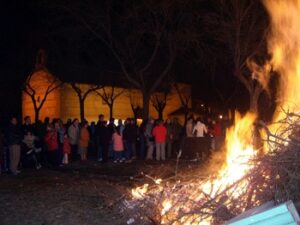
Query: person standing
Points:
[99, 137]
[51, 140]
[73, 133]
[102, 138]
[141, 136]
[129, 137]
[177, 134]
[84, 139]
[14, 140]
[120, 124]
[160, 135]
[149, 138]
[217, 135]
[126, 139]
[31, 152]
[27, 126]
[189, 127]
[134, 137]
[66, 150]
[60, 129]
[92, 146]
[200, 129]
[118, 146]
[111, 129]
[170, 136]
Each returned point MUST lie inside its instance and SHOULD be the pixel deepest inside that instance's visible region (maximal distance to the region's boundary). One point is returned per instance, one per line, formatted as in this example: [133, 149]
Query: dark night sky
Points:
[25, 30]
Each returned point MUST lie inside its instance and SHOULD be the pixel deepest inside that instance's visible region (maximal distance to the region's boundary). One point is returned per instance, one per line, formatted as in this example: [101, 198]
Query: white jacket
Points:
[200, 128]
[73, 133]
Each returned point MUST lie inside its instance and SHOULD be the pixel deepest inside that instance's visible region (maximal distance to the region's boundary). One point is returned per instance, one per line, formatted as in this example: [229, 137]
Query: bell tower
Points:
[40, 61]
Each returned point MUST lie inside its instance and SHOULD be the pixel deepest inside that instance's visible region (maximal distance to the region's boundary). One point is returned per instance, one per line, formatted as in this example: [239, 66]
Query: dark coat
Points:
[102, 133]
[27, 128]
[130, 133]
[14, 135]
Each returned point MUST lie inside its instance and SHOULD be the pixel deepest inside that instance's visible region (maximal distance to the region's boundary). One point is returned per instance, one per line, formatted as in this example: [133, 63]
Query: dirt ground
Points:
[80, 193]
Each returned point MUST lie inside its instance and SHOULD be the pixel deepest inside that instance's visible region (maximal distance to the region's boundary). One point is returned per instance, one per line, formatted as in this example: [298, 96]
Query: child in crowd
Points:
[66, 150]
[118, 145]
[51, 139]
[84, 139]
[31, 153]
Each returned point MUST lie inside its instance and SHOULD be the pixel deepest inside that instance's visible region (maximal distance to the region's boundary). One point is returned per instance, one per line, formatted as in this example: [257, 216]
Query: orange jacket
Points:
[84, 138]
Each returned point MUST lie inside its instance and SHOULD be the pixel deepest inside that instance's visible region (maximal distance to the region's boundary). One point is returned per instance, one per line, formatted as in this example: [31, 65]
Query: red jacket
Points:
[51, 140]
[67, 146]
[159, 133]
[217, 130]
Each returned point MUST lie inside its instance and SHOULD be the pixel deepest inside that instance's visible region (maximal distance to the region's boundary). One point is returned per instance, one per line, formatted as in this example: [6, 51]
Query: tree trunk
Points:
[135, 114]
[36, 115]
[81, 107]
[146, 100]
[186, 114]
[160, 114]
[254, 97]
[111, 111]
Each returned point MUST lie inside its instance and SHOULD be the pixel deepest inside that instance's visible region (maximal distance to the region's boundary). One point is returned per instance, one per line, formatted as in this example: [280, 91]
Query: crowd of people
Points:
[55, 144]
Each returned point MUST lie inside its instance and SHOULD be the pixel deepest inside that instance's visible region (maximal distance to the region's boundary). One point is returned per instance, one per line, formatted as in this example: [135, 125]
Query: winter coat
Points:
[14, 135]
[117, 140]
[51, 140]
[148, 130]
[61, 133]
[27, 128]
[169, 132]
[73, 133]
[160, 134]
[102, 133]
[130, 133]
[111, 129]
[84, 138]
[176, 130]
[217, 130]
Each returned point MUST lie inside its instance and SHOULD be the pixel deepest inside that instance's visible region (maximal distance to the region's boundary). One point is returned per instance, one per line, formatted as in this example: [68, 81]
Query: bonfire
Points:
[248, 176]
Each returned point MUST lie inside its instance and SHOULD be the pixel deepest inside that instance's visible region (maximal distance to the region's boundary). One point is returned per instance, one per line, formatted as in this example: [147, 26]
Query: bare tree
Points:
[241, 26]
[82, 95]
[140, 36]
[109, 95]
[185, 100]
[38, 100]
[159, 101]
[135, 102]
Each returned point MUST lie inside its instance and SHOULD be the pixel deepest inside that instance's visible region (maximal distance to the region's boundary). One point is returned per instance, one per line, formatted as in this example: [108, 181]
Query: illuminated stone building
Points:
[63, 102]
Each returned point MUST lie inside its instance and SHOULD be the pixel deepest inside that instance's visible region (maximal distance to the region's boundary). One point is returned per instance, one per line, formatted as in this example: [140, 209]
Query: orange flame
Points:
[239, 152]
[284, 44]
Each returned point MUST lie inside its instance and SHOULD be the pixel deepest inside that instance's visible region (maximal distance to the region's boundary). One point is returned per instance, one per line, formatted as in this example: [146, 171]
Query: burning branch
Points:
[189, 200]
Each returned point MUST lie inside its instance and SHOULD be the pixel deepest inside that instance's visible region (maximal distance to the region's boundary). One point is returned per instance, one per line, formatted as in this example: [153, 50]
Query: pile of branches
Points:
[275, 176]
